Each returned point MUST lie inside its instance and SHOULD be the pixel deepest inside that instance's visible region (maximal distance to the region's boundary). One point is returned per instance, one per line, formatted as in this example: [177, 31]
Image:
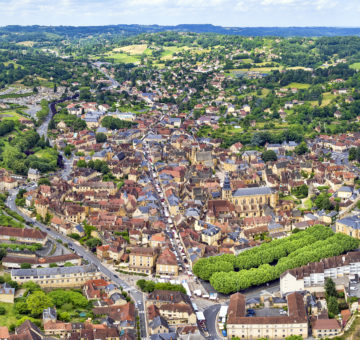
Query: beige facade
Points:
[348, 226]
[270, 327]
[167, 269]
[178, 314]
[142, 260]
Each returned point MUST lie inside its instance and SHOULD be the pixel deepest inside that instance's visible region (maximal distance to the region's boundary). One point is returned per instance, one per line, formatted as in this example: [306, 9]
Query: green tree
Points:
[100, 137]
[268, 156]
[301, 149]
[25, 266]
[330, 288]
[2, 310]
[37, 302]
[67, 150]
[333, 305]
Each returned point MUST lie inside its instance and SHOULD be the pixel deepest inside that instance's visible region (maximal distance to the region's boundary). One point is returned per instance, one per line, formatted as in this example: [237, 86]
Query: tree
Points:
[93, 242]
[37, 302]
[100, 137]
[322, 201]
[330, 287]
[67, 150]
[2, 310]
[25, 266]
[333, 306]
[269, 155]
[31, 286]
[301, 149]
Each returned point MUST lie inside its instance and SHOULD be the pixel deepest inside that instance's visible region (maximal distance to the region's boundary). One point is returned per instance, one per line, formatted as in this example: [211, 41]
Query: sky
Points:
[238, 13]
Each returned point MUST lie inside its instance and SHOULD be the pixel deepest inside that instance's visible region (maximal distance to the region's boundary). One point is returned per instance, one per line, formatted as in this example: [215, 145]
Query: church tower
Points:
[226, 192]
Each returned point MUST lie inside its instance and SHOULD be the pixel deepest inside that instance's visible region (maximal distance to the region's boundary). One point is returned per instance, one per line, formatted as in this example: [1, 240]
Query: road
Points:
[114, 83]
[210, 315]
[88, 256]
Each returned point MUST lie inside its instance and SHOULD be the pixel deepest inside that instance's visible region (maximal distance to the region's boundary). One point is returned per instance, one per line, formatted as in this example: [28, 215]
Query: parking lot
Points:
[268, 312]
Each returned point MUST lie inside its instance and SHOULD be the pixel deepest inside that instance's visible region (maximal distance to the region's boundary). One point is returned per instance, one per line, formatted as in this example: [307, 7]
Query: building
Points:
[33, 174]
[178, 313]
[210, 235]
[158, 325]
[164, 297]
[312, 276]
[59, 277]
[325, 328]
[271, 327]
[166, 264]
[11, 261]
[249, 202]
[24, 235]
[7, 293]
[349, 225]
[142, 260]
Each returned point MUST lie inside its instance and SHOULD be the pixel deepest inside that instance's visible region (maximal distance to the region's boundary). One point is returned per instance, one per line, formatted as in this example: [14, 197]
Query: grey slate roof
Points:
[54, 271]
[252, 191]
[351, 221]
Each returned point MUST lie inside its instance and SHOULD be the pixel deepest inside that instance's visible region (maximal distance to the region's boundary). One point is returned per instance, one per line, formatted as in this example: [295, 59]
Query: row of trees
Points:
[229, 282]
[116, 123]
[149, 286]
[229, 273]
[264, 254]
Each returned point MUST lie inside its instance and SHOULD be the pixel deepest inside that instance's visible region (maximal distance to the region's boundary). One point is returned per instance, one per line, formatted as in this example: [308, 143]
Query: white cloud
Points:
[220, 12]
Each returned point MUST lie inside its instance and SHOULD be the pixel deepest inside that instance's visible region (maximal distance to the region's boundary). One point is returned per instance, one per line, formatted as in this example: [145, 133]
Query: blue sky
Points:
[173, 12]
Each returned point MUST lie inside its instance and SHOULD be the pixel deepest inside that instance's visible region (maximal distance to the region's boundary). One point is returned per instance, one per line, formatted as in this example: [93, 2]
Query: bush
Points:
[2, 310]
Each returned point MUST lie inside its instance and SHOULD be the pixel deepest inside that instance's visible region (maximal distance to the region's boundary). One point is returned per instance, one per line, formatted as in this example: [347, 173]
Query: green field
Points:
[11, 115]
[355, 66]
[49, 154]
[299, 86]
[9, 318]
[120, 57]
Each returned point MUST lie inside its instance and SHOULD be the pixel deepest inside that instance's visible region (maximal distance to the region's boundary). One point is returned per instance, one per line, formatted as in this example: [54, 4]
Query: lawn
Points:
[132, 49]
[120, 57]
[299, 86]
[9, 318]
[171, 50]
[28, 43]
[14, 63]
[308, 204]
[355, 66]
[49, 154]
[11, 115]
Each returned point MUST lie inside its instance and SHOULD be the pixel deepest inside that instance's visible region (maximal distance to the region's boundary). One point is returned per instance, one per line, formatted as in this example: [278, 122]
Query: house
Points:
[142, 260]
[4, 333]
[33, 175]
[270, 327]
[325, 328]
[166, 264]
[312, 276]
[7, 293]
[123, 316]
[210, 235]
[24, 235]
[349, 225]
[158, 325]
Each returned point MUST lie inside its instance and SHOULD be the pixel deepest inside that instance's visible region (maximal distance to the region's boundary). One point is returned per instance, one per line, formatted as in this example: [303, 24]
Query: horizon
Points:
[190, 24]
[225, 13]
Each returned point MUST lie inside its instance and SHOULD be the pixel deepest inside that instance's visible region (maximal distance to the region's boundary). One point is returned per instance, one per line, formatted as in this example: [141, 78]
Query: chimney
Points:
[157, 297]
[172, 297]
